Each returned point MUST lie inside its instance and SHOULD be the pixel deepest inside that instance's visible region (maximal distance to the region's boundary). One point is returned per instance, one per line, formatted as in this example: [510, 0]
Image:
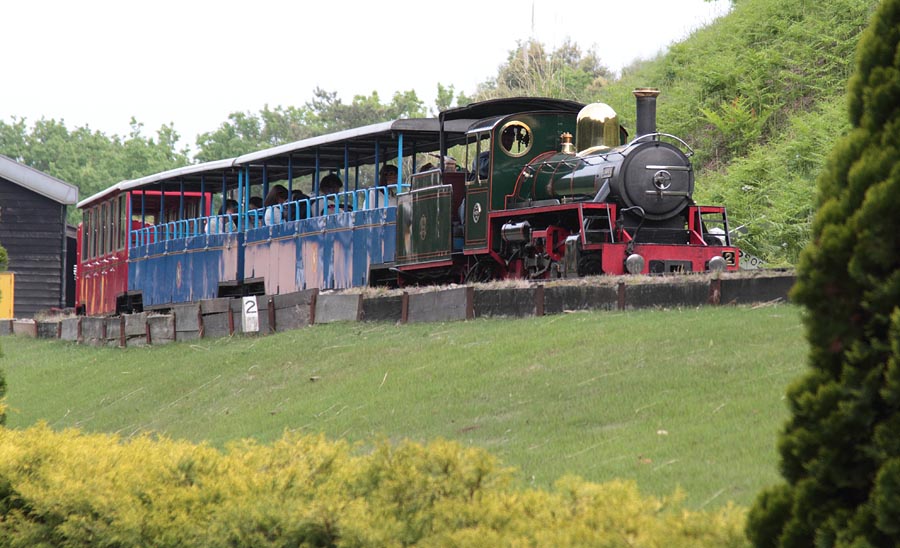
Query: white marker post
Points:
[250, 315]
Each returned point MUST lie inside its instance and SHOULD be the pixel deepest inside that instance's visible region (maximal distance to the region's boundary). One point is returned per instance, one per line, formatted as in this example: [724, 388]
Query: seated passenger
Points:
[296, 211]
[255, 212]
[387, 180]
[275, 199]
[331, 184]
[225, 221]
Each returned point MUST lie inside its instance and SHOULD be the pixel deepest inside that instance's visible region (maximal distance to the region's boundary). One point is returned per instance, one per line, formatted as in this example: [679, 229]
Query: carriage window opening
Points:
[113, 226]
[93, 234]
[101, 239]
[108, 231]
[86, 233]
[85, 230]
[123, 222]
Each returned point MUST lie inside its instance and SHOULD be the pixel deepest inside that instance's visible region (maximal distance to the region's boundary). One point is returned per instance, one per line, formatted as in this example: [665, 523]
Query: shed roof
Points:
[37, 181]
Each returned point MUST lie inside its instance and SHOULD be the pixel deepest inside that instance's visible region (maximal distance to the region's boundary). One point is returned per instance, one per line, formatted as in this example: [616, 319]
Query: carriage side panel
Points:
[184, 270]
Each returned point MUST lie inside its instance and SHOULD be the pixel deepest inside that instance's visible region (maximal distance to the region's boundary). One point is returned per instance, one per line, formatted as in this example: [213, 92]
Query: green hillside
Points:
[667, 398]
[760, 96]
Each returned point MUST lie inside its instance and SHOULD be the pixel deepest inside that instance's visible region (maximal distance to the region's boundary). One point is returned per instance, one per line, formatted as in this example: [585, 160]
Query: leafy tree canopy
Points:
[324, 113]
[90, 159]
[531, 70]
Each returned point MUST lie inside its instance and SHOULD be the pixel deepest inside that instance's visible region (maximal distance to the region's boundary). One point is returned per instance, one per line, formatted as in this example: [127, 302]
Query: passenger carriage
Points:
[166, 255]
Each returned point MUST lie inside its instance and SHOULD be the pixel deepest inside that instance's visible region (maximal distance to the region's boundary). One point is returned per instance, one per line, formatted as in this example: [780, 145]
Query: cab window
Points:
[478, 157]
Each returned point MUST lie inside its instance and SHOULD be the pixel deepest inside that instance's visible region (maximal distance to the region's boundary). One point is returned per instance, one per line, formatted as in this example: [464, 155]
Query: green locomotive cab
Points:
[500, 149]
[444, 215]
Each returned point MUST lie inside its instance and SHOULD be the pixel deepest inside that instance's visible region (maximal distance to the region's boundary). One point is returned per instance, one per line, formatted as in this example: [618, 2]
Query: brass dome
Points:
[597, 128]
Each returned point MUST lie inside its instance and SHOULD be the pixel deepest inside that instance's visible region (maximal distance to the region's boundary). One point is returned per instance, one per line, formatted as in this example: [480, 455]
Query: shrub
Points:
[75, 489]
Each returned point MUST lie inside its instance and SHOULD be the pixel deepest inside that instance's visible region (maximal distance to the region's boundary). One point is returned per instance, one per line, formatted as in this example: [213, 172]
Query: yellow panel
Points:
[7, 283]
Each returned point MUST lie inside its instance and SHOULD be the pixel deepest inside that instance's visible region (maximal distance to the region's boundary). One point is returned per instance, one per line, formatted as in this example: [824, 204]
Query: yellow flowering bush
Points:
[73, 489]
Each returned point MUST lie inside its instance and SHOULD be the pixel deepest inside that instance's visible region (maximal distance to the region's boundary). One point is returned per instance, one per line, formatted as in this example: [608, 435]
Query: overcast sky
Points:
[191, 63]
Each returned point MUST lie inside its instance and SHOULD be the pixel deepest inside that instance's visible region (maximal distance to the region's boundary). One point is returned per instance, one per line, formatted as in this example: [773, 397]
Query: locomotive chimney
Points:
[646, 110]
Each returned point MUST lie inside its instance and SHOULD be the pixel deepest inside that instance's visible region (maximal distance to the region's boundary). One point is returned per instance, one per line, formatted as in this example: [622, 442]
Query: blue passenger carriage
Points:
[335, 240]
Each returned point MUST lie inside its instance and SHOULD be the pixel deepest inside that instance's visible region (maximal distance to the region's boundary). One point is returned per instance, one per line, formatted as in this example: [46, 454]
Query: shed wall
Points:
[32, 229]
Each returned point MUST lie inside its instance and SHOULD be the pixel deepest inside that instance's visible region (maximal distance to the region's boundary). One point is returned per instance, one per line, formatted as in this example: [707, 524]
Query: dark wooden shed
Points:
[33, 231]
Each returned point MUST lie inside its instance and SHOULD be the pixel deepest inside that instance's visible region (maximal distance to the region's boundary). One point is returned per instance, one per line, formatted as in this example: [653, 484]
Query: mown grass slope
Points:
[689, 398]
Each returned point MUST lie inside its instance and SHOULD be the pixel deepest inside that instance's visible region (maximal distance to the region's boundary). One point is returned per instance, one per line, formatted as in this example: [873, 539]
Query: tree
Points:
[90, 159]
[328, 113]
[840, 450]
[565, 73]
[240, 134]
[324, 113]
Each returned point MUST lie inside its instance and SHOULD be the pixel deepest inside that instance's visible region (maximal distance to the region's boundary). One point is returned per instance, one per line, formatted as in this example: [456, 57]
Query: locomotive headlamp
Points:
[717, 264]
[634, 264]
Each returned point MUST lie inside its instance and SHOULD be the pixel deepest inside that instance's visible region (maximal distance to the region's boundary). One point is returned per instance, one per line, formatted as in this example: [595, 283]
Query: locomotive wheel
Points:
[481, 272]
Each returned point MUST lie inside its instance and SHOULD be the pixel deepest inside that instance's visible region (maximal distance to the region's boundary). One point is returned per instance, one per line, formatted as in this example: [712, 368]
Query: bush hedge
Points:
[74, 489]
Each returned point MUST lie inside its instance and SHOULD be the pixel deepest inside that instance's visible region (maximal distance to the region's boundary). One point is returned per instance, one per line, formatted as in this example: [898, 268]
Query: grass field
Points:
[689, 398]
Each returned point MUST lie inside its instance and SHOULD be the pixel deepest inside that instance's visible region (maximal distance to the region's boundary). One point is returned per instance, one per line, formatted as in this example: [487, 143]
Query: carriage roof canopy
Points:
[419, 135]
[210, 173]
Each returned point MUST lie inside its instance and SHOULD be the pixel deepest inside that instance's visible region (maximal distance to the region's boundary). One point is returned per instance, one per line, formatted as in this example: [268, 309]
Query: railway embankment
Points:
[267, 314]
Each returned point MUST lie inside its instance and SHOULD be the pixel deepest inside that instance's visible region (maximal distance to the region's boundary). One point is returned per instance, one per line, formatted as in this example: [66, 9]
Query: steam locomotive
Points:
[538, 205]
[554, 189]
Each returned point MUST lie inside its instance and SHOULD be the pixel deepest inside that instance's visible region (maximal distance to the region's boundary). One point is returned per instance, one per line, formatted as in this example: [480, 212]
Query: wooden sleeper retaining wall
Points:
[218, 318]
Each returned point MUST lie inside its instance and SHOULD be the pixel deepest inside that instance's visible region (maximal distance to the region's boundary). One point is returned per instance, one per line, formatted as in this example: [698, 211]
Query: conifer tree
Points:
[840, 450]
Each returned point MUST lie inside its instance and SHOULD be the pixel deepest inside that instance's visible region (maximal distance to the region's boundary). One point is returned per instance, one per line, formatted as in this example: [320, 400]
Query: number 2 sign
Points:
[250, 315]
